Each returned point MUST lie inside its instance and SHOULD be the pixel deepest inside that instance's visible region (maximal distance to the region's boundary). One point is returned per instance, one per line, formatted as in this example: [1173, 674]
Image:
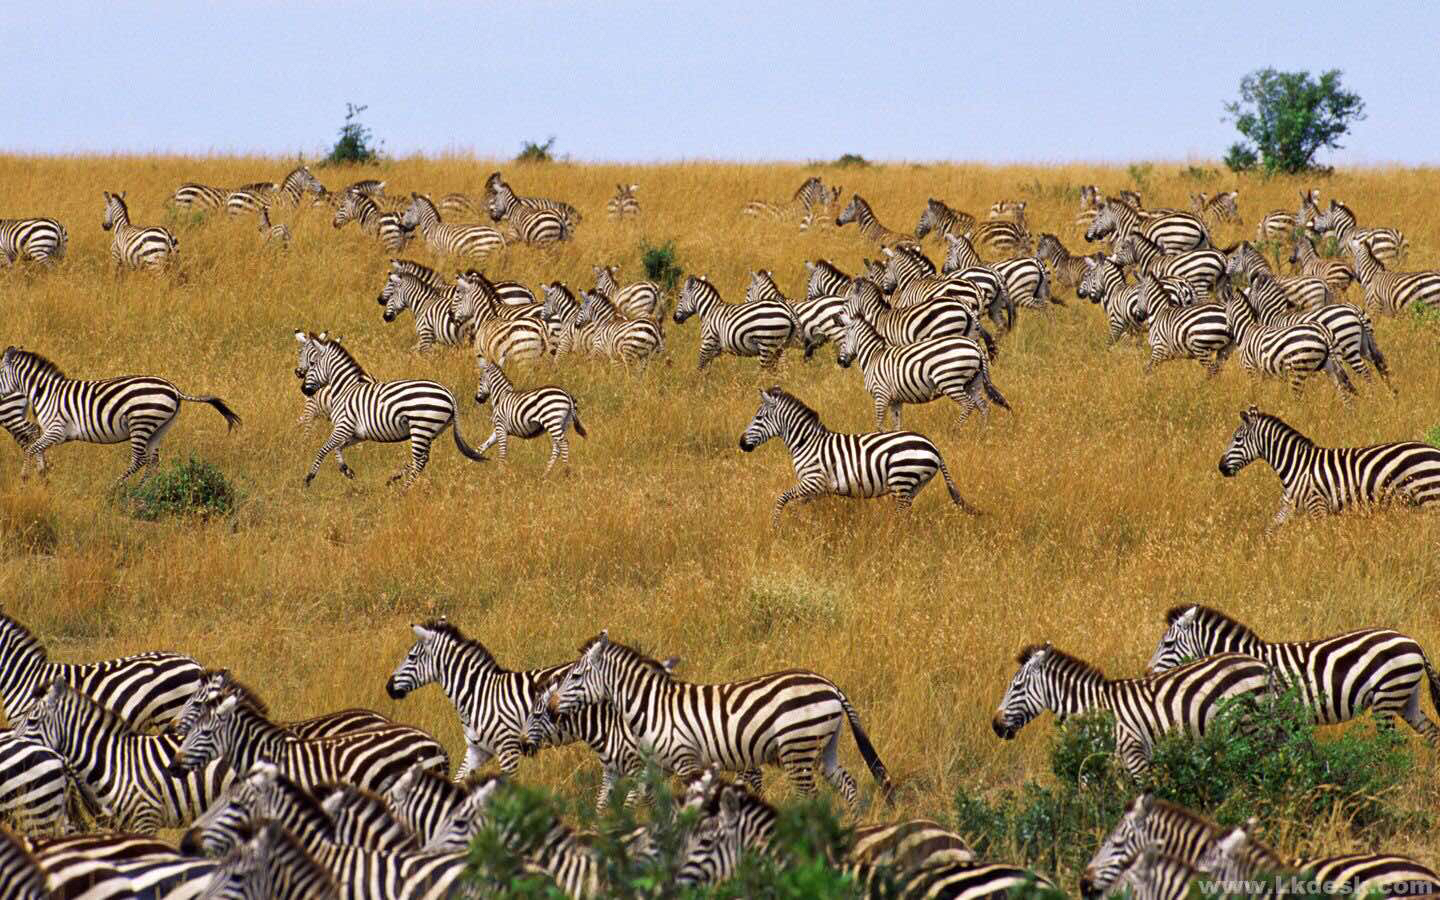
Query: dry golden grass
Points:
[1104, 504]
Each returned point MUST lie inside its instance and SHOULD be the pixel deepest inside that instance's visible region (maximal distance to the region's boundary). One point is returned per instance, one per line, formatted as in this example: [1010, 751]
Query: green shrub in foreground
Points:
[193, 487]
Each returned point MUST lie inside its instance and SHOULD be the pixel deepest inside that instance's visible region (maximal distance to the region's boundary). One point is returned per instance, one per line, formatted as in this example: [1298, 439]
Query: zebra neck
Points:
[866, 347]
[1288, 457]
[1080, 692]
[24, 669]
[462, 679]
[252, 739]
[800, 438]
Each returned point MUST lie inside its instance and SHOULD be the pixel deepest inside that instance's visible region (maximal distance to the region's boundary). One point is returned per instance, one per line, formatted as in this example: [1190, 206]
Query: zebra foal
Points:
[527, 414]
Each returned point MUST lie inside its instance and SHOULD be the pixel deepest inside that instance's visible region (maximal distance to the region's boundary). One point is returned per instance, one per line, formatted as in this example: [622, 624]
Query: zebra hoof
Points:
[308, 479]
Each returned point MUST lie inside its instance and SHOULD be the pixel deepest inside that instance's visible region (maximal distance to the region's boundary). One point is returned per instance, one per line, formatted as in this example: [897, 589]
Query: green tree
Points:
[356, 143]
[1288, 117]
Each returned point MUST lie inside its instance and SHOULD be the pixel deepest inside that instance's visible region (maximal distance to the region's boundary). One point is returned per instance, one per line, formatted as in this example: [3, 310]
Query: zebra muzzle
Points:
[1003, 730]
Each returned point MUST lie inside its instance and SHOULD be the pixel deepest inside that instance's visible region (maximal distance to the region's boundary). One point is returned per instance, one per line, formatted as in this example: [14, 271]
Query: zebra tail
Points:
[1369, 347]
[1434, 684]
[575, 420]
[867, 752]
[991, 349]
[1333, 367]
[468, 451]
[230, 418]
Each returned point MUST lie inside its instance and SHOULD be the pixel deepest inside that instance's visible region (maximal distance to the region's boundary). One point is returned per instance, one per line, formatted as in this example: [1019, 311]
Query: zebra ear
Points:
[301, 337]
[669, 664]
[227, 705]
[604, 637]
[422, 632]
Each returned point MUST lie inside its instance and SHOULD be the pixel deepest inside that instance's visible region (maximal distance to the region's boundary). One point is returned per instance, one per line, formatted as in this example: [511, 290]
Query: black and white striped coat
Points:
[21, 876]
[1293, 352]
[365, 212]
[859, 212]
[218, 682]
[527, 414]
[638, 300]
[1202, 268]
[1236, 857]
[940, 220]
[271, 865]
[1320, 480]
[560, 312]
[1068, 268]
[762, 329]
[424, 800]
[1183, 699]
[810, 199]
[35, 786]
[134, 246]
[495, 185]
[193, 195]
[616, 337]
[1223, 207]
[938, 318]
[1391, 292]
[433, 309]
[13, 408]
[1197, 331]
[504, 332]
[1025, 276]
[528, 224]
[40, 240]
[1303, 292]
[820, 319]
[362, 818]
[1173, 232]
[624, 204]
[474, 241]
[1386, 244]
[1104, 283]
[823, 279]
[1354, 333]
[157, 873]
[1334, 272]
[253, 198]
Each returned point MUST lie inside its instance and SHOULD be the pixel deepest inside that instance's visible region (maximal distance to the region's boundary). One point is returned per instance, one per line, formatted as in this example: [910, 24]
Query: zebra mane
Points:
[453, 632]
[786, 398]
[339, 348]
[421, 198]
[36, 361]
[1255, 417]
[1060, 657]
[243, 692]
[24, 635]
[1209, 614]
[631, 653]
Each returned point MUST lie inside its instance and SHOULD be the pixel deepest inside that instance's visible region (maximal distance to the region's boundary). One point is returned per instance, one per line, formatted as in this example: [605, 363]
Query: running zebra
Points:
[810, 198]
[1172, 232]
[35, 786]
[1339, 677]
[792, 719]
[822, 279]
[1181, 699]
[241, 736]
[819, 319]
[134, 246]
[495, 186]
[1003, 238]
[1391, 292]
[435, 322]
[1293, 352]
[506, 294]
[134, 408]
[831, 463]
[560, 311]
[1025, 276]
[127, 772]
[528, 224]
[193, 195]
[1236, 857]
[363, 409]
[638, 300]
[493, 702]
[1104, 283]
[1330, 479]
[1335, 273]
[503, 332]
[1386, 244]
[940, 220]
[1198, 332]
[528, 414]
[273, 234]
[909, 278]
[859, 212]
[762, 329]
[1223, 207]
[1354, 333]
[953, 367]
[616, 337]
[477, 241]
[40, 240]
[365, 212]
[216, 683]
[624, 203]
[1303, 291]
[936, 319]
[1068, 268]
[1202, 268]
[252, 199]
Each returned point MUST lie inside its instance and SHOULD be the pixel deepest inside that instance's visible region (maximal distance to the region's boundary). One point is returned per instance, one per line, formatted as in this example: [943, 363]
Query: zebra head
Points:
[932, 218]
[1130, 836]
[1183, 639]
[851, 212]
[466, 820]
[1244, 444]
[584, 682]
[1030, 692]
[499, 200]
[228, 822]
[713, 849]
[345, 211]
[9, 373]
[559, 301]
[420, 666]
[605, 281]
[542, 727]
[1309, 211]
[1234, 856]
[767, 421]
[312, 366]
[393, 297]
[959, 252]
[45, 722]
[207, 693]
[271, 864]
[115, 210]
[696, 293]
[762, 286]
[208, 738]
[1092, 283]
[592, 308]
[1104, 223]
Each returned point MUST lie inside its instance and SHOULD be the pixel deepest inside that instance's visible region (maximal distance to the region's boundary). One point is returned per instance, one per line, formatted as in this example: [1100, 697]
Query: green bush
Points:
[1140, 174]
[1432, 437]
[189, 488]
[1288, 117]
[1201, 174]
[1241, 158]
[852, 161]
[660, 264]
[356, 144]
[531, 152]
[1425, 314]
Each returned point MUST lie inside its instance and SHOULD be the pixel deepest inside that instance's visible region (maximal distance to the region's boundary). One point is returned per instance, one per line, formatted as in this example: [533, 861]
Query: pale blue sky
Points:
[635, 81]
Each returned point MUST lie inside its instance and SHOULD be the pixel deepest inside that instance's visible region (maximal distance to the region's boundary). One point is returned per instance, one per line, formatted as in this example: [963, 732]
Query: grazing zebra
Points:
[822, 279]
[364, 211]
[236, 732]
[528, 224]
[962, 262]
[792, 719]
[1302, 291]
[252, 199]
[41, 240]
[21, 877]
[819, 319]
[811, 197]
[35, 786]
[1330, 479]
[859, 212]
[1236, 858]
[128, 773]
[1335, 273]
[364, 819]
[1354, 333]
[146, 690]
[503, 333]
[277, 234]
[1385, 243]
[1391, 292]
[1000, 237]
[1173, 232]
[1202, 268]
[1068, 268]
[953, 367]
[1104, 283]
[939, 219]
[1198, 332]
[363, 409]
[1153, 875]
[1339, 677]
[639, 300]
[493, 702]
[938, 318]
[527, 414]
[1294, 352]
[424, 800]
[830, 463]
[762, 328]
[477, 241]
[272, 865]
[199, 196]
[1181, 699]
[435, 322]
[616, 337]
[495, 186]
[624, 203]
[218, 682]
[1223, 207]
[134, 246]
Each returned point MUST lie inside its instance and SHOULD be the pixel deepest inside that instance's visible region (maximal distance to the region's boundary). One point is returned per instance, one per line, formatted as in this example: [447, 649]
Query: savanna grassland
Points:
[1102, 502]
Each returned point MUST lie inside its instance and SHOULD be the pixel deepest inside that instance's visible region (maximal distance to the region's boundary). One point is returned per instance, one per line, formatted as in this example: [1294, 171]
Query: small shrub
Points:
[520, 816]
[189, 488]
[27, 524]
[531, 152]
[1201, 174]
[1140, 174]
[1425, 314]
[852, 161]
[1432, 437]
[1241, 158]
[660, 264]
[356, 144]
[1061, 191]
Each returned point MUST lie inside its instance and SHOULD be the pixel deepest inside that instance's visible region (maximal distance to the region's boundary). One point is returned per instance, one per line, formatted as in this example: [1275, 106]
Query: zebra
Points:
[897, 463]
[940, 220]
[1235, 857]
[128, 773]
[218, 682]
[811, 197]
[1339, 676]
[146, 690]
[1104, 283]
[1173, 232]
[507, 293]
[41, 240]
[276, 234]
[639, 300]
[1330, 479]
[161, 874]
[1335, 273]
[241, 735]
[616, 337]
[1223, 207]
[859, 212]
[12, 418]
[1391, 292]
[1294, 352]
[424, 801]
[252, 199]
[527, 414]
[493, 702]
[194, 195]
[997, 280]
[435, 322]
[35, 786]
[528, 224]
[819, 319]
[271, 865]
[502, 332]
[21, 877]
[1181, 699]
[822, 279]
[1354, 333]
[762, 329]
[495, 185]
[365, 212]
[1001, 237]
[1153, 875]
[792, 719]
[1068, 268]
[560, 311]
[134, 246]
[477, 241]
[938, 318]
[1302, 291]
[1198, 332]
[1202, 268]
[953, 367]
[459, 203]
[364, 819]
[910, 279]
[363, 409]
[624, 203]
[1275, 226]
[1386, 244]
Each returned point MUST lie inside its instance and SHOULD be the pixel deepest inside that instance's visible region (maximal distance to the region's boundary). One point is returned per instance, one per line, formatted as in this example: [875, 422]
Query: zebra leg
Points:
[139, 444]
[753, 779]
[339, 439]
[419, 456]
[882, 404]
[895, 412]
[802, 492]
[709, 349]
[1281, 517]
[508, 755]
[495, 435]
[835, 773]
[1133, 753]
[801, 770]
[559, 449]
[770, 356]
[475, 759]
[37, 450]
[152, 447]
[502, 439]
[1415, 716]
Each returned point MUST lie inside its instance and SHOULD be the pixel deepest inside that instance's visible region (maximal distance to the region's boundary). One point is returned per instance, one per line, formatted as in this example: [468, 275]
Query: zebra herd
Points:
[353, 804]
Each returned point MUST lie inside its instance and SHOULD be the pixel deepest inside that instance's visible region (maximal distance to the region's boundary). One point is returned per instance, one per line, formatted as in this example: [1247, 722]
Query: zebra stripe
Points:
[1153, 875]
[1001, 238]
[146, 690]
[938, 318]
[458, 203]
[819, 320]
[277, 234]
[507, 293]
[995, 281]
[1293, 352]
[639, 300]
[12, 418]
[615, 337]
[40, 240]
[1181, 699]
[271, 866]
[495, 187]
[939, 219]
[202, 196]
[364, 211]
[824, 280]
[1202, 268]
[1173, 232]
[810, 198]
[133, 246]
[424, 800]
[253, 198]
[1354, 334]
[1236, 857]
[1330, 479]
[1335, 273]
[910, 279]
[1068, 268]
[560, 311]
[477, 241]
[1104, 283]
[218, 682]
[859, 212]
[528, 414]
[363, 819]
[1223, 207]
[21, 877]
[34, 786]
[1198, 332]
[1391, 292]
[762, 329]
[435, 322]
[1386, 244]
[529, 223]
[1302, 291]
[624, 203]
[792, 719]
